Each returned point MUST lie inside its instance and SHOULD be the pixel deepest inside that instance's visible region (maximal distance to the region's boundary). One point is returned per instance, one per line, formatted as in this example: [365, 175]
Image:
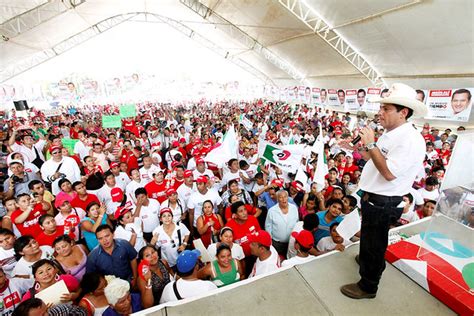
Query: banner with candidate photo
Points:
[450, 104]
[333, 99]
[351, 100]
[316, 96]
[371, 94]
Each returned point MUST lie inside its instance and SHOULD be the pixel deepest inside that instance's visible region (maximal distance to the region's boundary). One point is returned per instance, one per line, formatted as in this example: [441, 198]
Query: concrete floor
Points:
[313, 289]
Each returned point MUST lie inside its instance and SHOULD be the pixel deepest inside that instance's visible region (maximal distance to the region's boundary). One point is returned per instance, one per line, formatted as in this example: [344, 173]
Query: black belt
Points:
[382, 199]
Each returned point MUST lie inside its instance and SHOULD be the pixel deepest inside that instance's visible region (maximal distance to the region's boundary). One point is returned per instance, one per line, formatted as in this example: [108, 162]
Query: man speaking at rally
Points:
[393, 162]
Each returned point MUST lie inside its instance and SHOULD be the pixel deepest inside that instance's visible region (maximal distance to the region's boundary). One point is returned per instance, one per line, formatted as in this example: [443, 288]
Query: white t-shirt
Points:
[270, 264]
[291, 244]
[196, 200]
[150, 215]
[104, 196]
[408, 217]
[236, 251]
[130, 190]
[146, 175]
[186, 289]
[126, 233]
[122, 180]
[207, 172]
[178, 210]
[23, 267]
[327, 244]
[169, 245]
[81, 149]
[231, 176]
[10, 298]
[429, 195]
[296, 260]
[7, 261]
[184, 192]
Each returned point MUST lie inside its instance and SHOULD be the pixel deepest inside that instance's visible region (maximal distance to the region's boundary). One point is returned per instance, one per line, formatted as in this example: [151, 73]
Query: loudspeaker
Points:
[21, 105]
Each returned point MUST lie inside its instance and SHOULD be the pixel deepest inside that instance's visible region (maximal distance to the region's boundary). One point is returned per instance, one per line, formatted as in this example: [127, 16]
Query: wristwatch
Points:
[370, 146]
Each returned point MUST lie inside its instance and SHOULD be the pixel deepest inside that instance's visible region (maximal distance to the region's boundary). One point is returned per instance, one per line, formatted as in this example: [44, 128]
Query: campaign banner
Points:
[128, 110]
[246, 122]
[450, 104]
[52, 112]
[111, 121]
[334, 100]
[351, 100]
[315, 96]
[371, 94]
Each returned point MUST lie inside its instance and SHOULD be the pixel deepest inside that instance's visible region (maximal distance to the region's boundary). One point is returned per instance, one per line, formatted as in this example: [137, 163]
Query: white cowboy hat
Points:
[403, 95]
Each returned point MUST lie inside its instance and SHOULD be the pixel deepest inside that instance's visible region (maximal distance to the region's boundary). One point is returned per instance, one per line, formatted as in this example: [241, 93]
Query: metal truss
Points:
[111, 22]
[36, 16]
[242, 37]
[315, 22]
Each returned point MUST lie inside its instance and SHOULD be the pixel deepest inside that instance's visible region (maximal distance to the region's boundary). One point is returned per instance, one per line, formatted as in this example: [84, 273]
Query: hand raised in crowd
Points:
[154, 239]
[340, 247]
[102, 209]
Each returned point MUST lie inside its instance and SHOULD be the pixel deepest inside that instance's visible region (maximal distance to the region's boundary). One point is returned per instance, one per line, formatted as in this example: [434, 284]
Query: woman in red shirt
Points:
[209, 224]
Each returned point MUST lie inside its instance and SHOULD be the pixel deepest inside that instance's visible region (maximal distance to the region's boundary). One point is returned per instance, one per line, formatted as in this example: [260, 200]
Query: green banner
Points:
[111, 121]
[69, 144]
[128, 110]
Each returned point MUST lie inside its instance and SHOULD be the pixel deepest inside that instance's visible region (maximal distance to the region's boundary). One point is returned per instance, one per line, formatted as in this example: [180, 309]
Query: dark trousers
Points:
[280, 247]
[378, 213]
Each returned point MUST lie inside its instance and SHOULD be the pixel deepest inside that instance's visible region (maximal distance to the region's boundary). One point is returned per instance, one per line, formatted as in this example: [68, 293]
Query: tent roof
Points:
[428, 44]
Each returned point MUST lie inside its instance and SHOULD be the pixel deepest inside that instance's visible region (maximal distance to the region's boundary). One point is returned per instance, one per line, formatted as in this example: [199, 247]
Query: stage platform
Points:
[313, 289]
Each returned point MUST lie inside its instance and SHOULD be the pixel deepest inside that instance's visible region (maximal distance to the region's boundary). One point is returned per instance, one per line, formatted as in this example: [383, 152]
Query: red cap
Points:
[304, 238]
[338, 132]
[175, 143]
[188, 173]
[116, 194]
[113, 165]
[202, 179]
[182, 140]
[170, 191]
[298, 186]
[262, 237]
[120, 211]
[53, 148]
[200, 160]
[59, 202]
[174, 164]
[166, 210]
[197, 142]
[277, 182]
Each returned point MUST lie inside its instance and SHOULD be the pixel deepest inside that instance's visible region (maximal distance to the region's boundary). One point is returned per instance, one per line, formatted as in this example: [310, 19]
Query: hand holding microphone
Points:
[366, 135]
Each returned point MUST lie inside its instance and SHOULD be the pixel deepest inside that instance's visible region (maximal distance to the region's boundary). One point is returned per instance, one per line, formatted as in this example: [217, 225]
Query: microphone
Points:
[355, 140]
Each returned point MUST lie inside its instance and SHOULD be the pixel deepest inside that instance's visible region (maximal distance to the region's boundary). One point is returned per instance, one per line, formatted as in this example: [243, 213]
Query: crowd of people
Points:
[114, 218]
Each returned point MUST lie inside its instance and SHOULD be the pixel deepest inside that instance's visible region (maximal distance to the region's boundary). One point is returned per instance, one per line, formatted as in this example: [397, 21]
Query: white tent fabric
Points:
[428, 44]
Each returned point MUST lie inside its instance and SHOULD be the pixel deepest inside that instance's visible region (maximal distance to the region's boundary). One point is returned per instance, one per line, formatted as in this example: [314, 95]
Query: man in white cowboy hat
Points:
[393, 163]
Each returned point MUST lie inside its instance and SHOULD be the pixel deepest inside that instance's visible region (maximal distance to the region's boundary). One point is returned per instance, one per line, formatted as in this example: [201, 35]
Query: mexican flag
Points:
[226, 150]
[285, 159]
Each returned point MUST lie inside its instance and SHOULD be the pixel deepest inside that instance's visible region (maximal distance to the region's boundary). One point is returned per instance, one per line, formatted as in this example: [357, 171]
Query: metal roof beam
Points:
[36, 16]
[315, 22]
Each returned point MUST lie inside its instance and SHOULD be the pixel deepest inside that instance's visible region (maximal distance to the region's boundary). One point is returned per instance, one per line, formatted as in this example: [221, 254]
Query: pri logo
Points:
[281, 154]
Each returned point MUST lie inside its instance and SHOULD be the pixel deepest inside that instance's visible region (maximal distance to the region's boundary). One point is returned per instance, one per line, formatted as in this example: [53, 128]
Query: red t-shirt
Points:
[30, 226]
[176, 183]
[77, 202]
[157, 191]
[129, 158]
[47, 240]
[240, 231]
